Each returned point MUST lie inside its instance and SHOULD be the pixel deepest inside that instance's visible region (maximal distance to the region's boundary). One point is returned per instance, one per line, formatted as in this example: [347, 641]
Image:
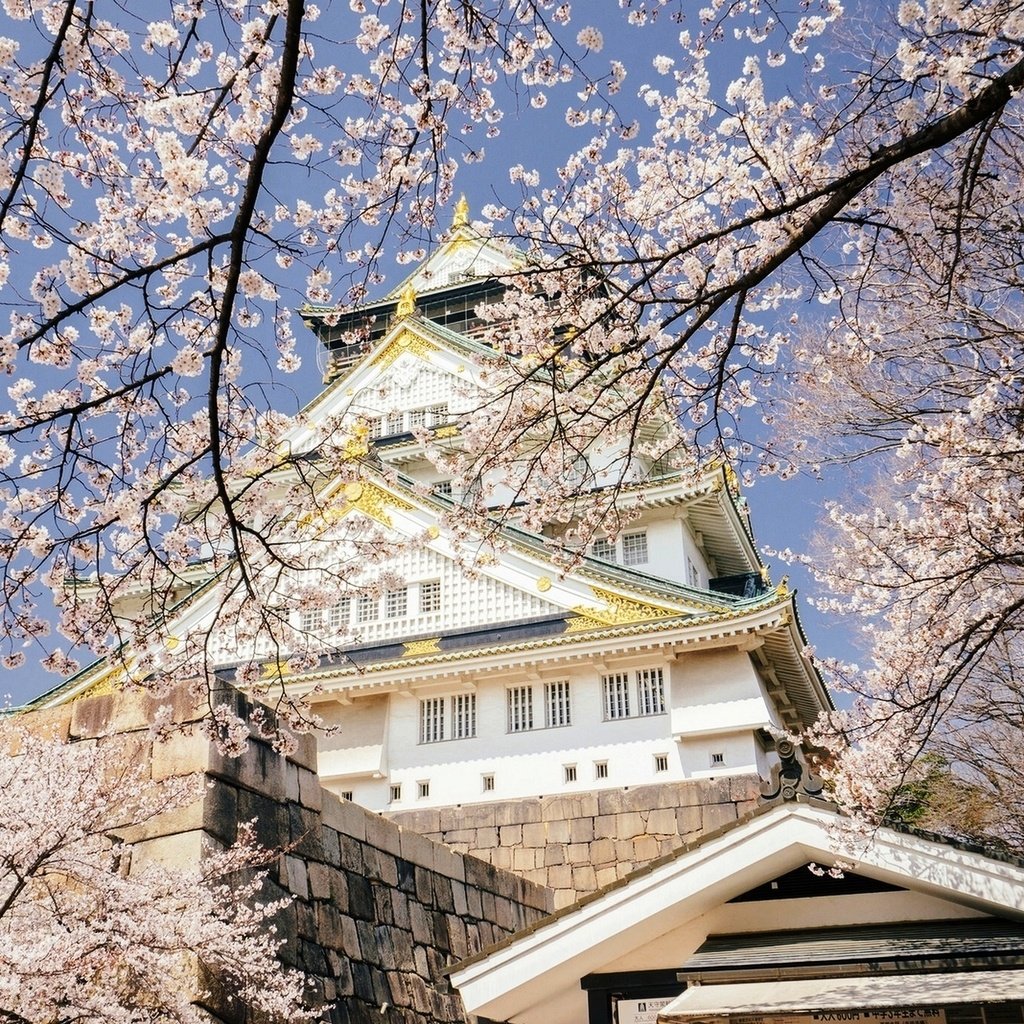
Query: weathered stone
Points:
[606, 826]
[510, 835]
[486, 839]
[298, 877]
[556, 831]
[717, 815]
[560, 876]
[319, 881]
[629, 825]
[310, 790]
[662, 823]
[383, 834]
[175, 851]
[534, 834]
[645, 848]
[182, 753]
[584, 878]
[578, 853]
[554, 854]
[581, 830]
[360, 897]
[524, 859]
[344, 816]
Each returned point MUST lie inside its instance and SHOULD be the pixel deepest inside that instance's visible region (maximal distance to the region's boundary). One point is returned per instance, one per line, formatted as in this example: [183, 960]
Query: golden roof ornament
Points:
[407, 303]
[461, 217]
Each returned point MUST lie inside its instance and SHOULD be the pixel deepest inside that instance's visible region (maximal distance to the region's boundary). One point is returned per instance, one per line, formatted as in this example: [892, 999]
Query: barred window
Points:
[600, 769]
[556, 704]
[661, 762]
[437, 414]
[570, 772]
[487, 783]
[650, 691]
[423, 789]
[338, 615]
[432, 720]
[395, 603]
[395, 423]
[616, 695]
[396, 792]
[634, 548]
[430, 596]
[520, 708]
[603, 548]
[311, 620]
[444, 488]
[375, 426]
[463, 716]
[366, 608]
[417, 418]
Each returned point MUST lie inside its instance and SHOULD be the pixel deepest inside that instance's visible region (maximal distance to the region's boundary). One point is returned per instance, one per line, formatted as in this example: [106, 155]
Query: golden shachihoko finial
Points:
[461, 218]
[407, 303]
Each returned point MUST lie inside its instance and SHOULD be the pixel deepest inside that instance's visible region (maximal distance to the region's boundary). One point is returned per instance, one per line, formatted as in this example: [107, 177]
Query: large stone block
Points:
[259, 769]
[662, 823]
[581, 830]
[181, 754]
[344, 816]
[629, 825]
[383, 834]
[510, 835]
[717, 815]
[535, 833]
[416, 849]
[183, 850]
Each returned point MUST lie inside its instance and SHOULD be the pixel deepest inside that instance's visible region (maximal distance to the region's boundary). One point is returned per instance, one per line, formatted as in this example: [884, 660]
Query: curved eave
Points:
[766, 620]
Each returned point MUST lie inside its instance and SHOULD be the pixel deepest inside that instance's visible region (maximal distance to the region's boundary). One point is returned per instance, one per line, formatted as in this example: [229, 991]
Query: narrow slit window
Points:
[556, 704]
[463, 716]
[487, 783]
[650, 691]
[661, 762]
[570, 772]
[396, 792]
[520, 708]
[432, 720]
[423, 789]
[600, 769]
[616, 695]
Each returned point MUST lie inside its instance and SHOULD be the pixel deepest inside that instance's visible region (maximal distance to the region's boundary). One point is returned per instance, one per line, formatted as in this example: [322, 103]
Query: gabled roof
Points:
[513, 979]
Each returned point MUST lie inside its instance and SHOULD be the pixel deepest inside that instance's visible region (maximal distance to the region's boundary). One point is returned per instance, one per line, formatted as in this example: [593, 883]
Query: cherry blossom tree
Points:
[173, 188]
[86, 936]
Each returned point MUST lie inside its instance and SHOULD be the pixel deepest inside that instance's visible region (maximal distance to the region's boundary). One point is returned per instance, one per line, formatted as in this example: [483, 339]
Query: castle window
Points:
[650, 691]
[396, 792]
[366, 608]
[423, 789]
[432, 720]
[600, 769]
[603, 548]
[634, 548]
[311, 620]
[346, 794]
[444, 488]
[570, 772]
[417, 418]
[394, 423]
[395, 603]
[661, 762]
[463, 716]
[616, 695]
[430, 596]
[487, 783]
[520, 708]
[717, 760]
[437, 414]
[338, 615]
[556, 704]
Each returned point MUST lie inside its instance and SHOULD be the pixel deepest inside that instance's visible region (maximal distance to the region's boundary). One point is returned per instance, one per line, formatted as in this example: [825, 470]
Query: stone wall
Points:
[575, 844]
[379, 910]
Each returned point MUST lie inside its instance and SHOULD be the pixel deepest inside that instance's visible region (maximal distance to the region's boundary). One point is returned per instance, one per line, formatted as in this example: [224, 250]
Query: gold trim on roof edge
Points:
[578, 625]
[407, 341]
[416, 647]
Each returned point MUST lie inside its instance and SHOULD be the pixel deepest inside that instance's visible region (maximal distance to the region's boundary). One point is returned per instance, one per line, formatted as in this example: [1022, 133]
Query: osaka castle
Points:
[661, 652]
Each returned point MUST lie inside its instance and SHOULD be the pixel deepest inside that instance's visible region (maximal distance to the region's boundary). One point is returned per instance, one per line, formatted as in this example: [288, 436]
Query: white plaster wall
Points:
[525, 763]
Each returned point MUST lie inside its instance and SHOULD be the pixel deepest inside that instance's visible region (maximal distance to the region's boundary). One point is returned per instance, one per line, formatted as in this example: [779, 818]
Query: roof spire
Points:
[407, 303]
[461, 217]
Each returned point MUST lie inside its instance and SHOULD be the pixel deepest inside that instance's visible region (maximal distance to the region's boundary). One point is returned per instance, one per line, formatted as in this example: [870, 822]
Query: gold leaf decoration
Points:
[619, 610]
[404, 342]
[414, 647]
